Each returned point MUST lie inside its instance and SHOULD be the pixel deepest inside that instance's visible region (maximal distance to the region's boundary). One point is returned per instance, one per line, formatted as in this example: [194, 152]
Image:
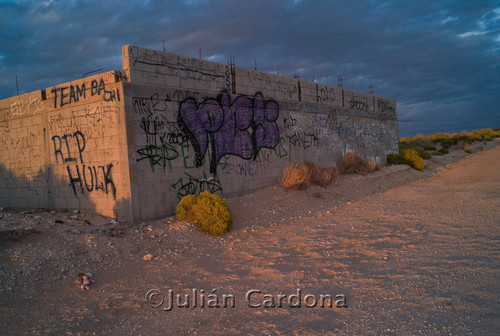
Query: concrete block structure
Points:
[131, 145]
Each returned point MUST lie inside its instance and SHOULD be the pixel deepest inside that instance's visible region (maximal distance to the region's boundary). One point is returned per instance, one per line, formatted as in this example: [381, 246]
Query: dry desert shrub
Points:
[353, 164]
[372, 166]
[334, 169]
[319, 176]
[296, 176]
[467, 148]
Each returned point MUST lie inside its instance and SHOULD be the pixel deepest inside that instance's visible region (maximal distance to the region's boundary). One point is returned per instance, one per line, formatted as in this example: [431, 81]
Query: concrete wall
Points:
[65, 148]
[23, 148]
[174, 126]
[196, 125]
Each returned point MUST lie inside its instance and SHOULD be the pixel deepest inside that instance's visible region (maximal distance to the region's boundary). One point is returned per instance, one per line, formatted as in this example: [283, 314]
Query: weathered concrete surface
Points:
[131, 147]
[196, 125]
[65, 148]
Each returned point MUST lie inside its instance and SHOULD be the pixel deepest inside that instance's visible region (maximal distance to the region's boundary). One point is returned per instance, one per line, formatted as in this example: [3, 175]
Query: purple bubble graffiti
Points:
[239, 128]
[266, 132]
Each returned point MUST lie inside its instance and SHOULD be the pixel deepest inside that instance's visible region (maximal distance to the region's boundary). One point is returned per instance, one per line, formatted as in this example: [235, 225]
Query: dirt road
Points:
[418, 258]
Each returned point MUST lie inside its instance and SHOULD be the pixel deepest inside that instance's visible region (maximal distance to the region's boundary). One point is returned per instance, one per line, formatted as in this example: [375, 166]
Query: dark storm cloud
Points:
[439, 59]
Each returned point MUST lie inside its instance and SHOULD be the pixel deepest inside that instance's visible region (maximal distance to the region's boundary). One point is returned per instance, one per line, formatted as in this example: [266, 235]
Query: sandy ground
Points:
[413, 253]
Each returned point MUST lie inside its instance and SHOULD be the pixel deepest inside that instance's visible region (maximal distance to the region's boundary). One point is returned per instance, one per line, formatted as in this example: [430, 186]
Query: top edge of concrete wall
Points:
[148, 66]
[42, 94]
[155, 67]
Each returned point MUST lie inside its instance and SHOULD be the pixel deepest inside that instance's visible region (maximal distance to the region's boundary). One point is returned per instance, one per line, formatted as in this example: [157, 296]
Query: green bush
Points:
[403, 146]
[430, 148]
[444, 150]
[395, 159]
[206, 211]
[412, 159]
[447, 143]
[423, 153]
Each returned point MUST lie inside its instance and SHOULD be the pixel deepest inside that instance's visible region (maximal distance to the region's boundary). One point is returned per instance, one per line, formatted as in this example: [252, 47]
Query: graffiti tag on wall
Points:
[162, 136]
[69, 148]
[358, 104]
[86, 116]
[195, 186]
[386, 108]
[241, 127]
[26, 106]
[73, 93]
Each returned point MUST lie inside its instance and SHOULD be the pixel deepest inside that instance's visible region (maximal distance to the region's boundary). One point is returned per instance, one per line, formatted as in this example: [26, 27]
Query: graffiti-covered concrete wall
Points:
[65, 148]
[132, 146]
[196, 125]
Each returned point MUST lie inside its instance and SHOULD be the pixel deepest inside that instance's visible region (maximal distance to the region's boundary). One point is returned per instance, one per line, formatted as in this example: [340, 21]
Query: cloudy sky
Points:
[440, 59]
